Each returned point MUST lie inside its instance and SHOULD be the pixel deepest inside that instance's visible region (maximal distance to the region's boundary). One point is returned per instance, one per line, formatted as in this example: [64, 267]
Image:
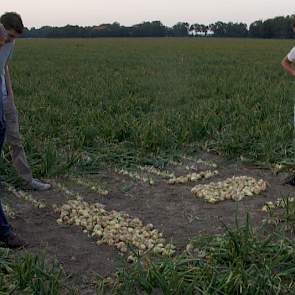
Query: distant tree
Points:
[219, 29]
[192, 29]
[181, 29]
[204, 29]
[278, 27]
[149, 29]
[256, 29]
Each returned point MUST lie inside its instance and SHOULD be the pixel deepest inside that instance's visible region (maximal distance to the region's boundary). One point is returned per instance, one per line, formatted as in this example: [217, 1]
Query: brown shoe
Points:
[12, 241]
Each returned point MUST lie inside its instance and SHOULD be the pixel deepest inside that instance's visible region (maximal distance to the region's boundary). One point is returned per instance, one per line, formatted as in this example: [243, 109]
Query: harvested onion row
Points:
[192, 167]
[234, 188]
[207, 163]
[135, 176]
[114, 228]
[210, 164]
[174, 163]
[8, 211]
[25, 196]
[277, 168]
[155, 171]
[192, 177]
[91, 185]
[66, 191]
[280, 203]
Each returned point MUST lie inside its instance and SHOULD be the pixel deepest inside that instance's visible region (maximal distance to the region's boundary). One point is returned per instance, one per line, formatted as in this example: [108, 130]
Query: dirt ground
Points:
[171, 208]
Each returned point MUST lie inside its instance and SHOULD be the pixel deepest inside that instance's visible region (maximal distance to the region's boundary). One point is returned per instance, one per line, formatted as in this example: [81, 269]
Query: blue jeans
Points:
[5, 228]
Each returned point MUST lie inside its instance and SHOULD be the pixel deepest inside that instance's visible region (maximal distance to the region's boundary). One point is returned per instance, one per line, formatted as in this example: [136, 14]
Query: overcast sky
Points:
[92, 12]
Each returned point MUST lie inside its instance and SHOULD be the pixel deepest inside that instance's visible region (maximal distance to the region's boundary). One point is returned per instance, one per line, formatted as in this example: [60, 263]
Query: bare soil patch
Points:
[171, 208]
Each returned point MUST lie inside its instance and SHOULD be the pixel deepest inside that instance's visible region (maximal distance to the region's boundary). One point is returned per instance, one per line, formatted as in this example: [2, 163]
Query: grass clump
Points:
[240, 261]
[30, 274]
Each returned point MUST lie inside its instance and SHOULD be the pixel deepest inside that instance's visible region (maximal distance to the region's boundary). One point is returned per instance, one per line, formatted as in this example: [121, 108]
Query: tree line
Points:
[278, 27]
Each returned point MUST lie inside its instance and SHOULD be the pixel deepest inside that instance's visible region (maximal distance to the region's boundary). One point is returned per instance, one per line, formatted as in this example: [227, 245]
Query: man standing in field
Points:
[287, 64]
[288, 61]
[7, 237]
[14, 27]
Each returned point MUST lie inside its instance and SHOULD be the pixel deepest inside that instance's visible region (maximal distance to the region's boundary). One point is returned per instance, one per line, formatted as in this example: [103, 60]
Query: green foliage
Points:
[149, 98]
[28, 274]
[242, 261]
[278, 27]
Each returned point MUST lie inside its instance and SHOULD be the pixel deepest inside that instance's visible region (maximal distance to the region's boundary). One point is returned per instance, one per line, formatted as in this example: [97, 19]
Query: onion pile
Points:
[235, 188]
[114, 228]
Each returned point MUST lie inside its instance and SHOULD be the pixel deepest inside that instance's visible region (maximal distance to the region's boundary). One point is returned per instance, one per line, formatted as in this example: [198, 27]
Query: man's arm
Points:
[8, 81]
[288, 66]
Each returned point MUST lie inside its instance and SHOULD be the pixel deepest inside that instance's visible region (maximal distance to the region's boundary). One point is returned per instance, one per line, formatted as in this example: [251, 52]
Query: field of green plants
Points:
[88, 105]
[130, 100]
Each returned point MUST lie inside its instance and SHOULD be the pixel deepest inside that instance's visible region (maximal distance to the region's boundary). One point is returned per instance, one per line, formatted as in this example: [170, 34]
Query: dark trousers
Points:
[5, 228]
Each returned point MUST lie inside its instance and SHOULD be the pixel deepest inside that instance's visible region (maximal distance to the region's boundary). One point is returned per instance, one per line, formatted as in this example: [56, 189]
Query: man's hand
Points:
[288, 66]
